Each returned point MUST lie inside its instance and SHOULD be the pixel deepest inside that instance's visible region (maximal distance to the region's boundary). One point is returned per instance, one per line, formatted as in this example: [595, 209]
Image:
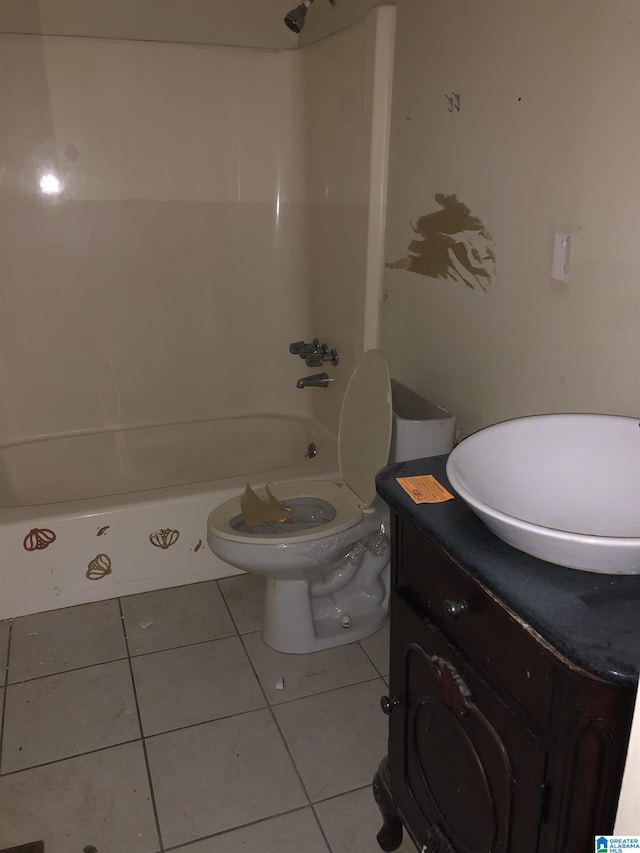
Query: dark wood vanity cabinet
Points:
[496, 741]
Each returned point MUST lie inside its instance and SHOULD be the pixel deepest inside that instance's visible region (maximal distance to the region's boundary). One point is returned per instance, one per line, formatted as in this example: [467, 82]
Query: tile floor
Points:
[154, 723]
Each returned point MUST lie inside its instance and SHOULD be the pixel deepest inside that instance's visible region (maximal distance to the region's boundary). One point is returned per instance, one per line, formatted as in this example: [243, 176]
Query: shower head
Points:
[295, 18]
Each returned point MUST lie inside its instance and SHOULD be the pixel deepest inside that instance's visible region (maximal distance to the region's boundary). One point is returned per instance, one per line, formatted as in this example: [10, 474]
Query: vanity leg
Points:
[390, 836]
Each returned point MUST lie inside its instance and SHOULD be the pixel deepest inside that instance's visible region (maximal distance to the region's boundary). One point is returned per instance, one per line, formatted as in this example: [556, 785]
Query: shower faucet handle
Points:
[314, 353]
[317, 359]
[304, 349]
[313, 361]
[310, 349]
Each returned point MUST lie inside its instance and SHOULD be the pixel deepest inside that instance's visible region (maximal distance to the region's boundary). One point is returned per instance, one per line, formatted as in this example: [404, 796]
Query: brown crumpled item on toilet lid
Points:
[256, 509]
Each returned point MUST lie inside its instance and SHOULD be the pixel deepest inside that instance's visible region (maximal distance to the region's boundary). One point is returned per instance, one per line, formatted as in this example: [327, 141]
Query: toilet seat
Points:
[364, 438]
[342, 499]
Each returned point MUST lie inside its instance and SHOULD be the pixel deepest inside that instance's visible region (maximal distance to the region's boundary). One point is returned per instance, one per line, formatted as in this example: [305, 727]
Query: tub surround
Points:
[591, 619]
[211, 180]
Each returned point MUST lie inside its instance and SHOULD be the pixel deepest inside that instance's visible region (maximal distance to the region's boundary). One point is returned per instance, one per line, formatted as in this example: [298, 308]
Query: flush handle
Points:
[453, 609]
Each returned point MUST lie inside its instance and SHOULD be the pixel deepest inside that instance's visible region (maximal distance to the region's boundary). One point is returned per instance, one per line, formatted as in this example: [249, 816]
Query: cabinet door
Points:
[467, 776]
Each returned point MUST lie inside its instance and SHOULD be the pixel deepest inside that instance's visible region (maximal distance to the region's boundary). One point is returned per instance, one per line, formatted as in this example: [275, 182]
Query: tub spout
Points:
[316, 380]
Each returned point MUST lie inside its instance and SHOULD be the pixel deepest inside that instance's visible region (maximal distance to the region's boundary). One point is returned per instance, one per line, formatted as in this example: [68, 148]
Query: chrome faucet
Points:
[316, 380]
[314, 354]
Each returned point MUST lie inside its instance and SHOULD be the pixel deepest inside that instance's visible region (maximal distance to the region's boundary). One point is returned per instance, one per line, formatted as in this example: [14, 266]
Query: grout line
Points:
[321, 828]
[70, 757]
[144, 744]
[324, 692]
[273, 717]
[227, 608]
[3, 710]
[335, 797]
[231, 829]
[182, 646]
[371, 661]
[21, 681]
[344, 793]
[204, 723]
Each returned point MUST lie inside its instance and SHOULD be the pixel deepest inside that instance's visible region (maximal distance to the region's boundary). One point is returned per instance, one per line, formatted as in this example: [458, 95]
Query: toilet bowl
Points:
[326, 566]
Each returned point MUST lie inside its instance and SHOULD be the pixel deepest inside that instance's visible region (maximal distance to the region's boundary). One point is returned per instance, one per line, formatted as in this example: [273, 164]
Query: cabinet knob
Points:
[388, 705]
[454, 608]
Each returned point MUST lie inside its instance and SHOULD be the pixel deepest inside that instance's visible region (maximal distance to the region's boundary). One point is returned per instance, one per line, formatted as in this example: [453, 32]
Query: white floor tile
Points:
[67, 714]
[351, 822]
[194, 684]
[167, 618]
[244, 595]
[60, 640]
[337, 738]
[296, 832]
[303, 675]
[377, 648]
[101, 799]
[4, 643]
[221, 775]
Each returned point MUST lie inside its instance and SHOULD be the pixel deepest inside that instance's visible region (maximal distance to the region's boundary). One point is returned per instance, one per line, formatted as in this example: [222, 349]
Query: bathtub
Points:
[93, 516]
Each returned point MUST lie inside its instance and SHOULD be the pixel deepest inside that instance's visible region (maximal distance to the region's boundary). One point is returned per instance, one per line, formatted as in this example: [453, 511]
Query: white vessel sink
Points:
[565, 488]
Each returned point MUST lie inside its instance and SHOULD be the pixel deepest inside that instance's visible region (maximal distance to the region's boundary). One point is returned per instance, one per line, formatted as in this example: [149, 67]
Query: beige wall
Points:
[546, 140]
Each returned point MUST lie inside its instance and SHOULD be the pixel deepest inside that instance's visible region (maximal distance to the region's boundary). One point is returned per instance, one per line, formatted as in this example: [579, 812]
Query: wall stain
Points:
[454, 244]
[103, 530]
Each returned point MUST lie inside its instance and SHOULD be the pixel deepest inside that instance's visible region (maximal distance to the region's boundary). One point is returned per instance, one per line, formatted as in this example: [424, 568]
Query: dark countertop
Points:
[592, 619]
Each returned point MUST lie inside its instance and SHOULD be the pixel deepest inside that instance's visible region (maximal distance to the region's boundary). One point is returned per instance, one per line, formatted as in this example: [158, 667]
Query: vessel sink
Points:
[565, 488]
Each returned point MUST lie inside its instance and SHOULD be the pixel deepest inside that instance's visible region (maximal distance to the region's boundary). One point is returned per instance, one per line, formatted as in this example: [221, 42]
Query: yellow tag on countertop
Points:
[424, 490]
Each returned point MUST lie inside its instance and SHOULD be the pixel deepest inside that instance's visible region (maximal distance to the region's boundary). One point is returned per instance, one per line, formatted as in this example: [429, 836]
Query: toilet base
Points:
[297, 623]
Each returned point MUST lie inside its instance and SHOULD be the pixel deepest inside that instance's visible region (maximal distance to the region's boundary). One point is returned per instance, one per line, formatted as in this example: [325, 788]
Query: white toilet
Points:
[326, 565]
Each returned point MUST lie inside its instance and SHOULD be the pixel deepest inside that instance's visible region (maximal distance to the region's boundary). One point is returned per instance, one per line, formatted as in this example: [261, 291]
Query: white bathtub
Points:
[93, 516]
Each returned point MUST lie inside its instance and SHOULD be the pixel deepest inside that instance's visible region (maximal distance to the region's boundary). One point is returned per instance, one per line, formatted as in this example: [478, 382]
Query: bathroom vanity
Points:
[512, 686]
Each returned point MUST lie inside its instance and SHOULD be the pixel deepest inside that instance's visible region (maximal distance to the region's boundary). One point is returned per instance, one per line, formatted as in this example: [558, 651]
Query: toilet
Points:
[326, 566]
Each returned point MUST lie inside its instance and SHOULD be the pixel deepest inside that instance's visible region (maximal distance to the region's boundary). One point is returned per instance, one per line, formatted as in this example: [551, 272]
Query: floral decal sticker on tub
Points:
[164, 538]
[99, 567]
[38, 539]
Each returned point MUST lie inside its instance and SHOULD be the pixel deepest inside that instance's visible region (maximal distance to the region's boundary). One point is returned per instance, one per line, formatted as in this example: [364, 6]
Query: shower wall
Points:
[347, 137]
[205, 208]
[167, 278]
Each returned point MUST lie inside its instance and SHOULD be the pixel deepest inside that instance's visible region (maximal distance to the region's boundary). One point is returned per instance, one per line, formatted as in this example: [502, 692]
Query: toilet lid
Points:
[364, 434]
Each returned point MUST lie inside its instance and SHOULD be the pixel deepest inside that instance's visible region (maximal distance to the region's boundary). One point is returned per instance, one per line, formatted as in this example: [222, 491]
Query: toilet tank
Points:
[420, 427]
